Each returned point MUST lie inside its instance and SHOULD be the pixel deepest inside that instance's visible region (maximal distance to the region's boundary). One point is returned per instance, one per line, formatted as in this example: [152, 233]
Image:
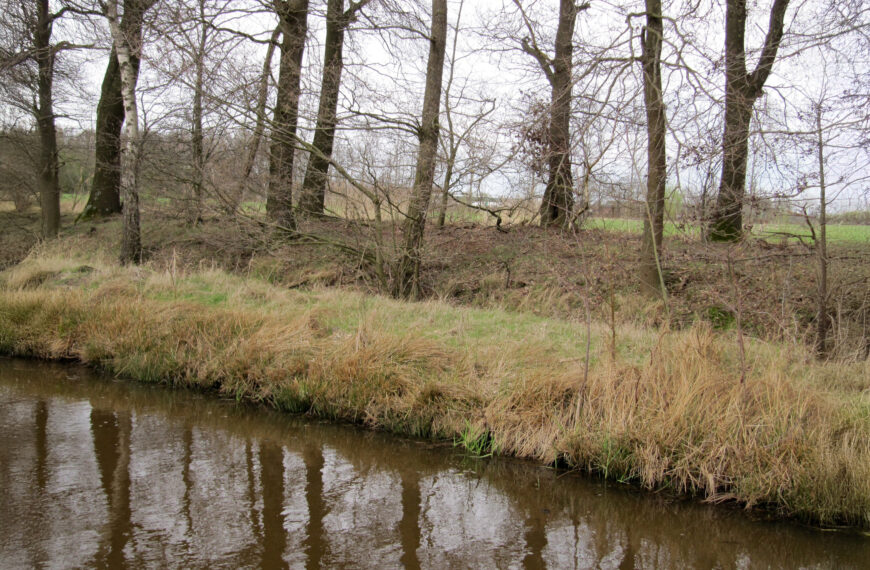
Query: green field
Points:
[843, 233]
[773, 231]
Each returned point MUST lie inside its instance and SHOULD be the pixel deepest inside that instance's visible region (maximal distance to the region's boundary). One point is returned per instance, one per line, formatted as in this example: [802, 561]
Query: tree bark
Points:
[105, 197]
[48, 184]
[653, 224]
[558, 201]
[407, 279]
[741, 92]
[293, 17]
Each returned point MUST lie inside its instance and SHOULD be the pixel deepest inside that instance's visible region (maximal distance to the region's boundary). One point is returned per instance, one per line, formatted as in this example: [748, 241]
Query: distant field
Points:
[836, 232]
[636, 226]
[842, 233]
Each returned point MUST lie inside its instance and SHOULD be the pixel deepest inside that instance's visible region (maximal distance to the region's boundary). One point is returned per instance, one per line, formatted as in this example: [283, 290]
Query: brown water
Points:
[101, 473]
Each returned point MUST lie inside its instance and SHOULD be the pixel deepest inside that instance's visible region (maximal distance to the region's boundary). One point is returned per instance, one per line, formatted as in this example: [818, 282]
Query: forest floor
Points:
[530, 342]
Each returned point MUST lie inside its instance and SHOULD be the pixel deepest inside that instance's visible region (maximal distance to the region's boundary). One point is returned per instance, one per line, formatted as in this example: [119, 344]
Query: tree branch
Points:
[762, 70]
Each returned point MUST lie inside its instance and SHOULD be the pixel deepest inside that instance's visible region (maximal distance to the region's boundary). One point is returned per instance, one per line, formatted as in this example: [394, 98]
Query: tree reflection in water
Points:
[137, 475]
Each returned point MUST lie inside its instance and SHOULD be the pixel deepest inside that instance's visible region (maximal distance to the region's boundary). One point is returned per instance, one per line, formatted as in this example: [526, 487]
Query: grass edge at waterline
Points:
[668, 411]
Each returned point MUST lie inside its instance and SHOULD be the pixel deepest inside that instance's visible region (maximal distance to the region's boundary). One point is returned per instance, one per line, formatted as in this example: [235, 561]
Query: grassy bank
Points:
[768, 287]
[663, 409]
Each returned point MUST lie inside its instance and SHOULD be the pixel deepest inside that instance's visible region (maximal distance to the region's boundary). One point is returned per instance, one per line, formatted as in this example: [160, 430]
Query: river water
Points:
[96, 472]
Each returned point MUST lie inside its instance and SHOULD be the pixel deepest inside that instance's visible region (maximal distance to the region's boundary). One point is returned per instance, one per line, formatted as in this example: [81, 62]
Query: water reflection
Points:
[111, 439]
[95, 473]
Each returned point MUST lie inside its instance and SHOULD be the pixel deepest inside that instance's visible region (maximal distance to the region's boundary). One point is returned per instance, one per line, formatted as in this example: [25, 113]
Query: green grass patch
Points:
[839, 233]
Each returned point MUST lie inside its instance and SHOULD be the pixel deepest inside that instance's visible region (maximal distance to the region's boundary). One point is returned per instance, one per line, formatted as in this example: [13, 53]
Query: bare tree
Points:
[127, 46]
[49, 189]
[653, 221]
[462, 122]
[558, 201]
[105, 196]
[197, 138]
[253, 144]
[293, 20]
[407, 279]
[312, 198]
[835, 136]
[822, 320]
[742, 89]
[28, 61]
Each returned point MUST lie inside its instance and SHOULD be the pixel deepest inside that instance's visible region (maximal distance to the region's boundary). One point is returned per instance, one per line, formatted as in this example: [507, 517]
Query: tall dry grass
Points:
[668, 410]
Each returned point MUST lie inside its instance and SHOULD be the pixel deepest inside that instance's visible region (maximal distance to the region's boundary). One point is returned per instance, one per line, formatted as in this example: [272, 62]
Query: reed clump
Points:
[667, 410]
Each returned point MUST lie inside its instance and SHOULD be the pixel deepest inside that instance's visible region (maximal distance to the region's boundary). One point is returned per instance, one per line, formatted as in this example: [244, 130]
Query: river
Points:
[96, 472]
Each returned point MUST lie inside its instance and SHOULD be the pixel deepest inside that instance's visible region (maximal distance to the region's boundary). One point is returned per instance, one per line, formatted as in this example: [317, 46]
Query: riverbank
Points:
[665, 409]
[767, 283]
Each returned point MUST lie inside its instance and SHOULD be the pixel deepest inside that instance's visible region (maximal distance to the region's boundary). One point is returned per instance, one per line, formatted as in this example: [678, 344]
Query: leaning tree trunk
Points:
[452, 147]
[558, 200]
[105, 197]
[260, 125]
[407, 278]
[293, 16]
[653, 225]
[127, 47]
[741, 92]
[313, 196]
[48, 185]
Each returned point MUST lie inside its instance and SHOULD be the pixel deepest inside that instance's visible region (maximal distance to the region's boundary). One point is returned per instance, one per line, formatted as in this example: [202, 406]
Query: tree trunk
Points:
[313, 197]
[653, 224]
[259, 127]
[558, 200]
[293, 17]
[197, 135]
[452, 144]
[445, 190]
[128, 46]
[105, 197]
[741, 92]
[822, 321]
[727, 222]
[48, 185]
[407, 279]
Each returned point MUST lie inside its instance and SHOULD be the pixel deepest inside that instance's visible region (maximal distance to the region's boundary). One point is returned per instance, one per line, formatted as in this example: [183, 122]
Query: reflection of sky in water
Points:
[101, 474]
[466, 521]
[364, 512]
